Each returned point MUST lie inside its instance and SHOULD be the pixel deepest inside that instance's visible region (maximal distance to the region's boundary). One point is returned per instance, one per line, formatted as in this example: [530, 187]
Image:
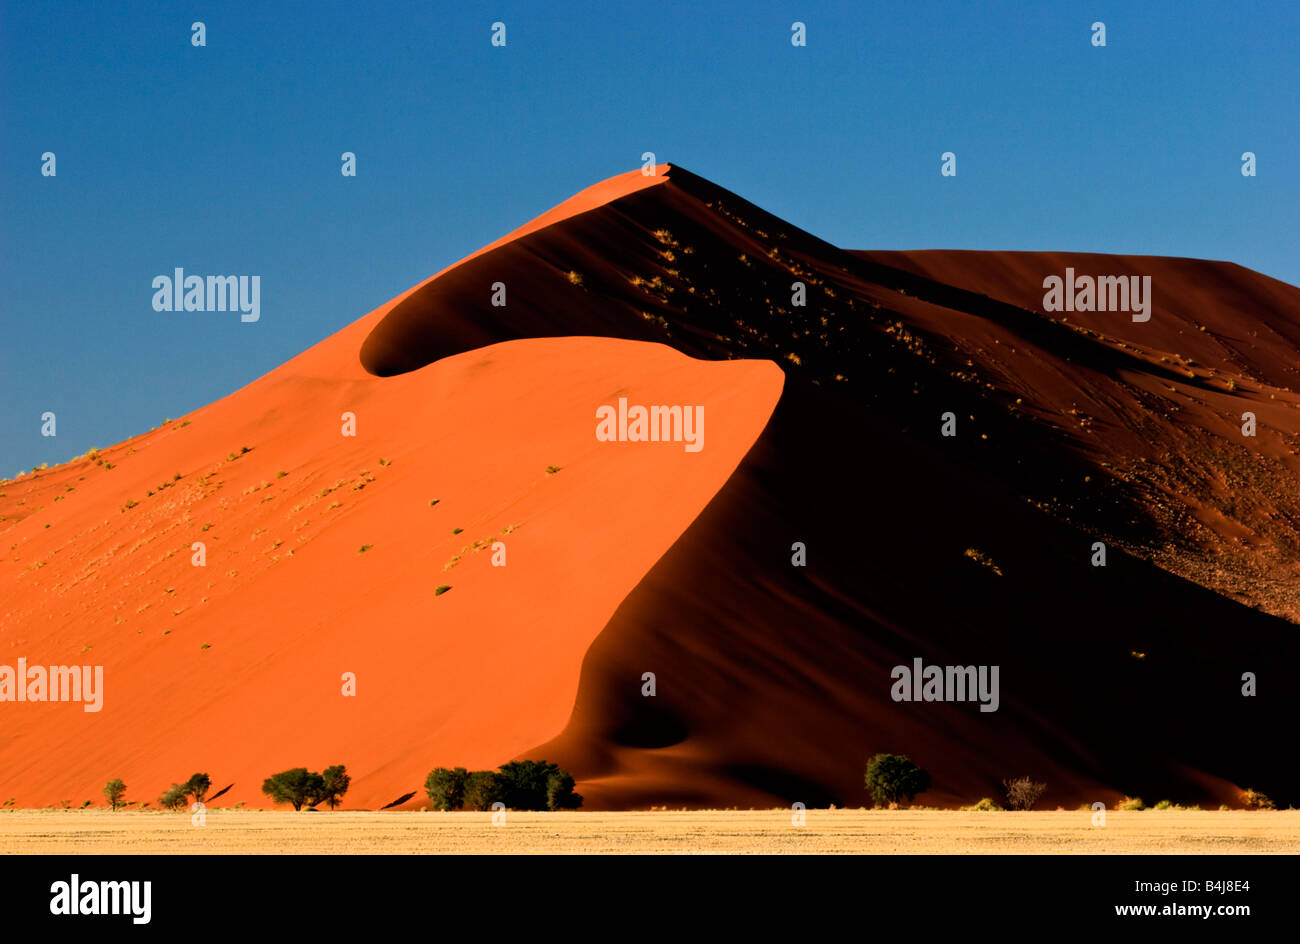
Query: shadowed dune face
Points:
[888, 580]
[773, 681]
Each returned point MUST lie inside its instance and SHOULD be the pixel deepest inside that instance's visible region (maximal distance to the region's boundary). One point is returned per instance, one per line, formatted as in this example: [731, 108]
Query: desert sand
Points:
[669, 832]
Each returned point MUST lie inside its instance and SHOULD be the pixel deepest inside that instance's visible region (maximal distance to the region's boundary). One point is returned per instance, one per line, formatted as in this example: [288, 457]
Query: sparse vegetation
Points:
[983, 559]
[440, 590]
[984, 805]
[552, 469]
[520, 785]
[1130, 804]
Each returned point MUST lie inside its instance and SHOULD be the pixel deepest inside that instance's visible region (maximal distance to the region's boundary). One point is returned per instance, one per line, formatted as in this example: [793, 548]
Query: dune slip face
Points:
[735, 476]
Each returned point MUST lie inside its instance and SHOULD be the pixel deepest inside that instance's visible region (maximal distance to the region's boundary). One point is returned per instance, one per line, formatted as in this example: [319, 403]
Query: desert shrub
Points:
[1022, 793]
[446, 787]
[114, 792]
[986, 804]
[298, 787]
[1163, 805]
[893, 777]
[1130, 803]
[174, 798]
[482, 789]
[1254, 800]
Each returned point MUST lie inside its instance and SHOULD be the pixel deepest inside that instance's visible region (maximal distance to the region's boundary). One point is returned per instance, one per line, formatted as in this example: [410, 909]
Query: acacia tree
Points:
[115, 793]
[559, 791]
[297, 786]
[482, 789]
[893, 777]
[446, 787]
[198, 785]
[334, 783]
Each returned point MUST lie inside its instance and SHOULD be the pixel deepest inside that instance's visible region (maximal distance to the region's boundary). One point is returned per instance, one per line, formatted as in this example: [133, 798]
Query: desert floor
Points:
[714, 831]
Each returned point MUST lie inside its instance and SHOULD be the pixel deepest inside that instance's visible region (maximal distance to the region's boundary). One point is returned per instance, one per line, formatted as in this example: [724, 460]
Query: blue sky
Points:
[225, 159]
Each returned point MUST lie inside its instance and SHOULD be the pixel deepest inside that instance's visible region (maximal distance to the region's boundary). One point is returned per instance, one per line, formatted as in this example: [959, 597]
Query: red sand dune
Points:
[773, 681]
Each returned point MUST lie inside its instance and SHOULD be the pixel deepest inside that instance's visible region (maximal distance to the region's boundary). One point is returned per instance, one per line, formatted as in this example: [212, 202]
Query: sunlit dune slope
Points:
[333, 568]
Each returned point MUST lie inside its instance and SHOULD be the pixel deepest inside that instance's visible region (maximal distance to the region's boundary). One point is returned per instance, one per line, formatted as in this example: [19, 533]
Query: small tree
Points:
[893, 777]
[297, 787]
[482, 789]
[175, 798]
[1022, 793]
[446, 787]
[559, 791]
[334, 783]
[115, 793]
[198, 785]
